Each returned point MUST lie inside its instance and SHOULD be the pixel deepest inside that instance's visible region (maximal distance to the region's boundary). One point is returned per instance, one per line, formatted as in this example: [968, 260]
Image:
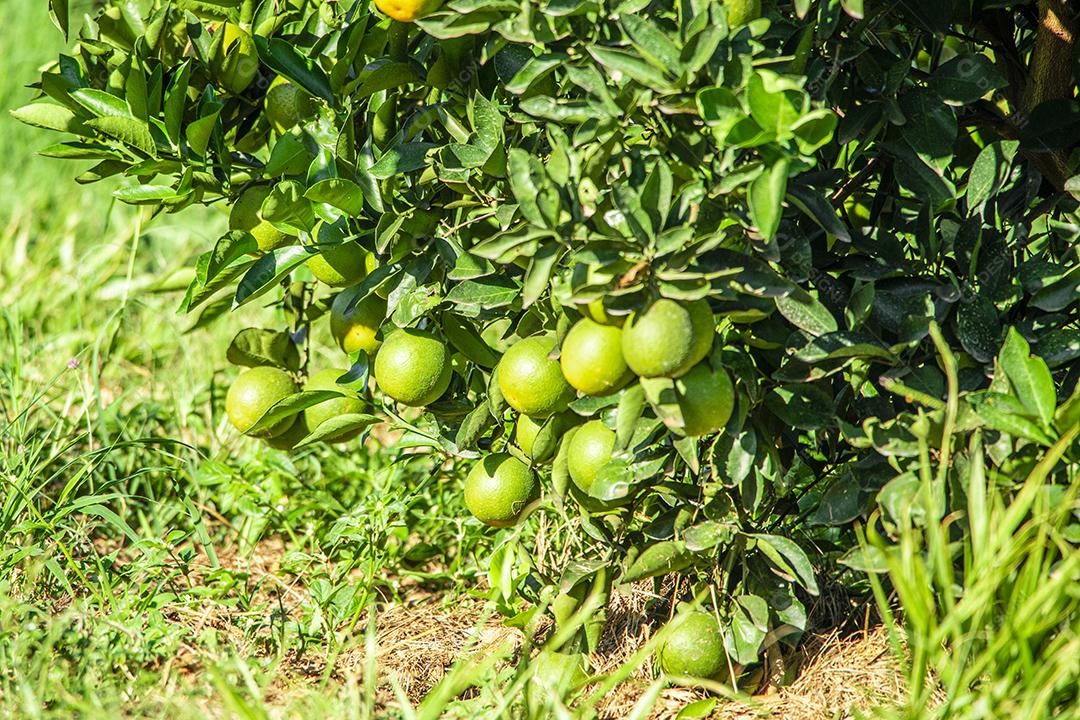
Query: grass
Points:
[153, 564]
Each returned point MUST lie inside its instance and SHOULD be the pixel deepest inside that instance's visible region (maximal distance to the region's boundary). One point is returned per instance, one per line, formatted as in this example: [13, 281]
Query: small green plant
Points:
[982, 561]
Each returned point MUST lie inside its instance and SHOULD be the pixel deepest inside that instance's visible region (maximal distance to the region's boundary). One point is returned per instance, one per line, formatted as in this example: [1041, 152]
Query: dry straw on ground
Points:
[418, 639]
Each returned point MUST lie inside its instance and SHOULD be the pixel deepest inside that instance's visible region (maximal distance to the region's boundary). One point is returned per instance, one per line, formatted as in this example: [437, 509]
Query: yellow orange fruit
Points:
[407, 10]
[357, 328]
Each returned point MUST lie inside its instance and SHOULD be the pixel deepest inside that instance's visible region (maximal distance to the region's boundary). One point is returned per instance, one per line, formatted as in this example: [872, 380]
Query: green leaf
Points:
[291, 405]
[1052, 125]
[989, 171]
[789, 558]
[631, 66]
[343, 194]
[1029, 376]
[766, 198]
[978, 327]
[719, 107]
[285, 59]
[401, 159]
[930, 126]
[101, 103]
[631, 407]
[660, 558]
[129, 131]
[775, 105]
[841, 344]
[801, 405]
[817, 208]
[252, 347]
[814, 130]
[59, 14]
[338, 426]
[1059, 347]
[468, 341]
[199, 133]
[965, 79]
[806, 313]
[268, 271]
[473, 427]
[49, 116]
[229, 248]
[538, 276]
[484, 293]
[652, 43]
[1008, 415]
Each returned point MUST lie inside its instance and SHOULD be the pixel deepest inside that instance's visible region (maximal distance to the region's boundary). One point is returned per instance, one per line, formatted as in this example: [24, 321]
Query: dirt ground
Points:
[831, 674]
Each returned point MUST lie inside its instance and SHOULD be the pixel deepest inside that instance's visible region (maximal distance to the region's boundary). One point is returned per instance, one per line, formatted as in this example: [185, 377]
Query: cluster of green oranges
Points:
[537, 376]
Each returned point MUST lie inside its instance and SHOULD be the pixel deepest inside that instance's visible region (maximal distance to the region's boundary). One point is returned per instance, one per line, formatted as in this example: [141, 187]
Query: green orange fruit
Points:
[287, 105]
[531, 382]
[589, 450]
[255, 391]
[498, 488]
[706, 398]
[358, 328]
[236, 62]
[525, 432]
[246, 214]
[596, 312]
[342, 264]
[740, 12]
[554, 676]
[592, 358]
[288, 439]
[327, 410]
[413, 367]
[695, 647]
[668, 338]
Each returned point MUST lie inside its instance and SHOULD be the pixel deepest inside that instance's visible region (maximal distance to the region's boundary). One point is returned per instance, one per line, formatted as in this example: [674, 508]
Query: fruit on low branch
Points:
[590, 449]
[668, 338]
[341, 265]
[246, 215]
[357, 328]
[255, 391]
[532, 382]
[592, 358]
[498, 488]
[695, 647]
[288, 439]
[327, 410]
[706, 398]
[413, 367]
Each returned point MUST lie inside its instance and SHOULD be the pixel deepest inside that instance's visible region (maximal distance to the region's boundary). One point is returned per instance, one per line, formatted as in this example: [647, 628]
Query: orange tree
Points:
[662, 271]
